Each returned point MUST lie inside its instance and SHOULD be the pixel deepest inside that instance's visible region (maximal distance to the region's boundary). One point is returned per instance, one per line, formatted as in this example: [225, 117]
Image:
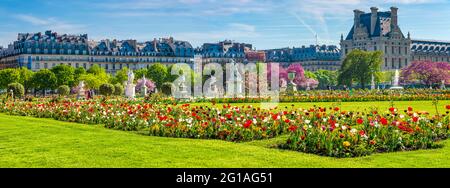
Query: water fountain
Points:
[372, 87]
[396, 81]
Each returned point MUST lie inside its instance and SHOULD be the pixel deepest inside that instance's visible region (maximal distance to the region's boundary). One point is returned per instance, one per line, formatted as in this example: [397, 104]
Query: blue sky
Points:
[264, 23]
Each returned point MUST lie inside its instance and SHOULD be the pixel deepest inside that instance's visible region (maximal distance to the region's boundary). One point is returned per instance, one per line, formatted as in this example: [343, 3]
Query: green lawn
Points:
[358, 106]
[32, 142]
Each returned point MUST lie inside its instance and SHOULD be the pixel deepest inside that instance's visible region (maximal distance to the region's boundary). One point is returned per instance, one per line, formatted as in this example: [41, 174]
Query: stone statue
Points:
[81, 91]
[182, 86]
[130, 77]
[144, 86]
[283, 84]
[130, 87]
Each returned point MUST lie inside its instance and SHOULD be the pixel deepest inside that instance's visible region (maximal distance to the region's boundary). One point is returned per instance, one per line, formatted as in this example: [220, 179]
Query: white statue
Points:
[130, 77]
[144, 86]
[130, 87]
[81, 90]
[283, 84]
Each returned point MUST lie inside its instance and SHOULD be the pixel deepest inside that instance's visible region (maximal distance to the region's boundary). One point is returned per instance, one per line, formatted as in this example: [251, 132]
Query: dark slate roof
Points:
[313, 52]
[430, 46]
[225, 48]
[383, 21]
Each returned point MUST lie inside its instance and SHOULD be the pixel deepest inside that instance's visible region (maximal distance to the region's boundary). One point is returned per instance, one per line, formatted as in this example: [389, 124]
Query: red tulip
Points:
[247, 123]
[359, 121]
[384, 121]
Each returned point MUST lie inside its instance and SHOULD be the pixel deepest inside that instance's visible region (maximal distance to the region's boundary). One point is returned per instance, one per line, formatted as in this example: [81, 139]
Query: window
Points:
[406, 62]
[385, 49]
[392, 63]
[106, 66]
[76, 65]
[385, 62]
[392, 50]
[45, 66]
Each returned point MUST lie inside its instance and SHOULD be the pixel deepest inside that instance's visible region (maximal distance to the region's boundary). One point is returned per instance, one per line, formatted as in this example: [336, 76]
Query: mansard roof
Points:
[382, 25]
[225, 48]
[163, 46]
[430, 46]
[50, 36]
[313, 52]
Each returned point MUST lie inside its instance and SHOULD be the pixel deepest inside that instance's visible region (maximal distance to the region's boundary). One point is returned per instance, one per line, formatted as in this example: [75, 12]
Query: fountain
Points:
[396, 81]
[372, 87]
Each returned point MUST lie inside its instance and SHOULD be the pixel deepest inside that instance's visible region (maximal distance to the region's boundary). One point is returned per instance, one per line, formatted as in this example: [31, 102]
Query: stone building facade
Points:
[380, 31]
[311, 58]
[45, 50]
[223, 52]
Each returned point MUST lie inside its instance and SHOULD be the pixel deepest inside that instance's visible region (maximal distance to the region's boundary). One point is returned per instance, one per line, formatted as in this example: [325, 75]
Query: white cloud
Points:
[52, 24]
[233, 31]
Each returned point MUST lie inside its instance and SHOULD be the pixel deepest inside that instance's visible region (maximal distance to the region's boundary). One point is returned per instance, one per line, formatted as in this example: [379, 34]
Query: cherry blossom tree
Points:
[426, 72]
[149, 83]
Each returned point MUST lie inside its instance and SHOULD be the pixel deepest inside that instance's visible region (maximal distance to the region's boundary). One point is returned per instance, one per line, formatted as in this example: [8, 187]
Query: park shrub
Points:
[106, 89]
[17, 89]
[118, 89]
[63, 90]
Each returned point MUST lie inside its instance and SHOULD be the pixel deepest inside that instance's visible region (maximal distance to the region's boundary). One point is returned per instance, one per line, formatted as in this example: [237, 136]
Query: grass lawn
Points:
[32, 142]
[357, 106]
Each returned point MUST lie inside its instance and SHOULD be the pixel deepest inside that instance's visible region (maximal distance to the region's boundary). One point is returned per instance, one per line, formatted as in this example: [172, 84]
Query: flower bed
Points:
[345, 96]
[353, 134]
[323, 131]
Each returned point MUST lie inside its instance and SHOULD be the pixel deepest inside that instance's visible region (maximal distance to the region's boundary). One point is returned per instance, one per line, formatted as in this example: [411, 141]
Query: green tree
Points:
[106, 89]
[8, 76]
[64, 74]
[63, 90]
[309, 74]
[139, 73]
[120, 77]
[170, 78]
[95, 76]
[76, 77]
[26, 76]
[359, 66]
[91, 81]
[44, 79]
[118, 89]
[158, 73]
[326, 78]
[96, 70]
[17, 89]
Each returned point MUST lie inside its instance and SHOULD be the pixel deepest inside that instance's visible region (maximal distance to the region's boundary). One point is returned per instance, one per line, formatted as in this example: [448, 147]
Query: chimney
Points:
[394, 18]
[357, 17]
[373, 19]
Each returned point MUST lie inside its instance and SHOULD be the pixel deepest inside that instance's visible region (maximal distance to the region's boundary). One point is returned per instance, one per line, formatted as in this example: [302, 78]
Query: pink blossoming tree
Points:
[426, 72]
